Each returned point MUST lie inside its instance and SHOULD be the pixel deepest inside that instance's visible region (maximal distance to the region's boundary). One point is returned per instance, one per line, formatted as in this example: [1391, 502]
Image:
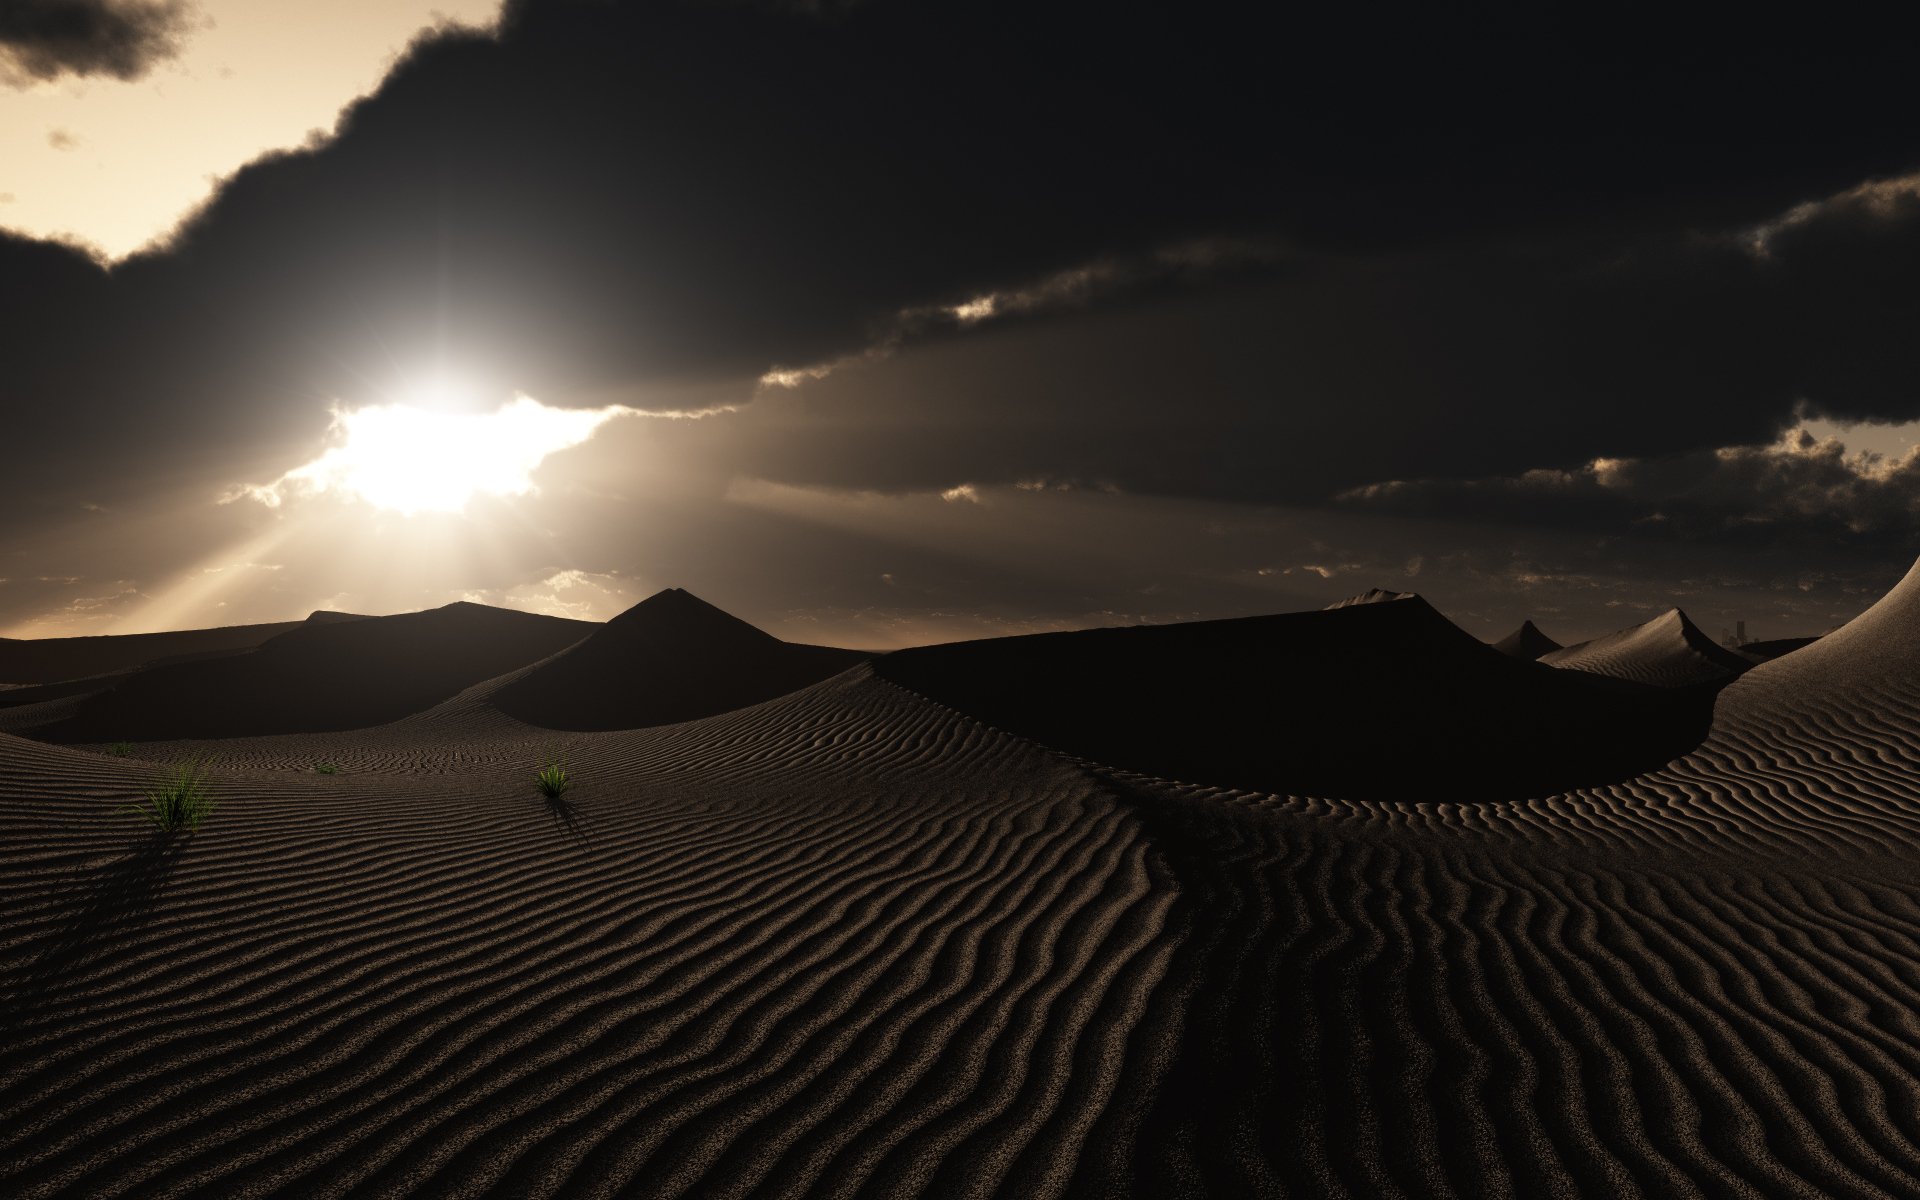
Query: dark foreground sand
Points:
[852, 941]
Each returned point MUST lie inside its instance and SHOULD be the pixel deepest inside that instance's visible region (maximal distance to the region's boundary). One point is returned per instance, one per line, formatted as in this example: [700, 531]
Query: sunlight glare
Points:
[412, 460]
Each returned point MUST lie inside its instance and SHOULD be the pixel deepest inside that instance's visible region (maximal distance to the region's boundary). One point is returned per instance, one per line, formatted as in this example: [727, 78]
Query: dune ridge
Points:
[1526, 642]
[51, 660]
[320, 675]
[672, 657]
[854, 941]
[1667, 651]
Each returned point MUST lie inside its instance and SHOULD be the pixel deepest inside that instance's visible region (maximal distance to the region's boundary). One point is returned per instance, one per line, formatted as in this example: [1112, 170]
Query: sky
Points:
[883, 323]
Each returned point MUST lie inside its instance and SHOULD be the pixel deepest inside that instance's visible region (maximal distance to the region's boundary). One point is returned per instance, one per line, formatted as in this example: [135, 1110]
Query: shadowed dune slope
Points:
[851, 942]
[672, 657]
[1668, 651]
[1775, 647]
[324, 675]
[1373, 700]
[52, 660]
[1526, 642]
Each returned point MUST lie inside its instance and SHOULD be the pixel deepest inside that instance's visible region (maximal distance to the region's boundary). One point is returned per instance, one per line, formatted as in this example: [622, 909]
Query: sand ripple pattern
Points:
[852, 943]
[845, 943]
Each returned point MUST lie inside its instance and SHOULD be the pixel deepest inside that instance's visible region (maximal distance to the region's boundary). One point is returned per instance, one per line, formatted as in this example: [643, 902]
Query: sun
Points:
[408, 458]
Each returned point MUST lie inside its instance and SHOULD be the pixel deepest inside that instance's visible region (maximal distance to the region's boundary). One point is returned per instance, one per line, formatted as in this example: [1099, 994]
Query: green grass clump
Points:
[120, 749]
[553, 780]
[327, 768]
[178, 799]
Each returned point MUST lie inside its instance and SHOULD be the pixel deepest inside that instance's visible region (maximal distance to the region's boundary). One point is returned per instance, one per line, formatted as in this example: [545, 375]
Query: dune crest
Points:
[1667, 651]
[1372, 595]
[1526, 642]
[672, 657]
[1373, 700]
[325, 675]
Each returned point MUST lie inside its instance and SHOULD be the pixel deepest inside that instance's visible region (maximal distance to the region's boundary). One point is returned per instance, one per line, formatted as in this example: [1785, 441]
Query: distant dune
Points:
[328, 674]
[1526, 642]
[1763, 651]
[50, 660]
[1369, 700]
[1668, 651]
[856, 941]
[1370, 596]
[672, 657]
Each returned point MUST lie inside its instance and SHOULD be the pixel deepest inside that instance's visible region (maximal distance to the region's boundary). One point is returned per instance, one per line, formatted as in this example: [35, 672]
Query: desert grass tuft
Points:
[553, 780]
[327, 768]
[120, 749]
[177, 800]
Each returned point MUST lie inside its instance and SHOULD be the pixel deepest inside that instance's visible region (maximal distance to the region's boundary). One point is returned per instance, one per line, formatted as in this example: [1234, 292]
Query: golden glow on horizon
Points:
[416, 458]
[117, 164]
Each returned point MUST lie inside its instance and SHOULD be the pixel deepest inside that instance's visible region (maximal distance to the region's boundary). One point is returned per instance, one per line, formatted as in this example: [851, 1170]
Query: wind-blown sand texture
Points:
[852, 941]
[1668, 651]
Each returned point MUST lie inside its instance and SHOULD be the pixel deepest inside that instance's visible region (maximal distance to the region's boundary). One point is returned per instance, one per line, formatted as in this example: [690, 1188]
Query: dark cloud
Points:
[124, 39]
[1798, 493]
[1447, 247]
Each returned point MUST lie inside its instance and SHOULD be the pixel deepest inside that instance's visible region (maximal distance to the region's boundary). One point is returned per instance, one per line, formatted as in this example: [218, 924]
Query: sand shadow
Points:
[103, 903]
[568, 816]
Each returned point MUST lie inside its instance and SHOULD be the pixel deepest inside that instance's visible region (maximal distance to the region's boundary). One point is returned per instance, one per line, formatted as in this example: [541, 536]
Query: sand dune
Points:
[1526, 642]
[1370, 596]
[852, 941]
[321, 675]
[50, 660]
[1774, 648]
[1668, 651]
[1370, 700]
[672, 657]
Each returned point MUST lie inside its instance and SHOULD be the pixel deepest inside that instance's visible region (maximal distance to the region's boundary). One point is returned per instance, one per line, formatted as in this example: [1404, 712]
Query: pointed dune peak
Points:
[1667, 651]
[677, 612]
[1526, 642]
[1373, 596]
[672, 657]
[1881, 644]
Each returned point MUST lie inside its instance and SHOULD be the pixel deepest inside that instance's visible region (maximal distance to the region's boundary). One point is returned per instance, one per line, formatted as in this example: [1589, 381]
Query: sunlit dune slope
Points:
[1668, 651]
[672, 657]
[1384, 698]
[325, 675]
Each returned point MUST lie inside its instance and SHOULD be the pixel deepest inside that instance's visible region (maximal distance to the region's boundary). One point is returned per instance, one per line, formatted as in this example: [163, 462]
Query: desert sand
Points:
[1035, 916]
[1668, 651]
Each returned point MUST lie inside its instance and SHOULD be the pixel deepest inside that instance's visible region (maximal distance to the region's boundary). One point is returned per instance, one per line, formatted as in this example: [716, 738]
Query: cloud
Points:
[1801, 490]
[1477, 256]
[63, 139]
[121, 39]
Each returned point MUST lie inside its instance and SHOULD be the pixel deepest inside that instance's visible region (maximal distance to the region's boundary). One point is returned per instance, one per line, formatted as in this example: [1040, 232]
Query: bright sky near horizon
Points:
[116, 164]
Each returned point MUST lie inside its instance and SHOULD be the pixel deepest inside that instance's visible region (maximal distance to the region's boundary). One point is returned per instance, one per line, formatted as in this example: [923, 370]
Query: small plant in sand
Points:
[120, 749]
[327, 768]
[178, 799]
[552, 779]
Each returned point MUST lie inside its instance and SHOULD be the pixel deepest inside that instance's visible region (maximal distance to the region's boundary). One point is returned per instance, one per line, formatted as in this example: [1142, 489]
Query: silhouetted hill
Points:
[1668, 651]
[1768, 650]
[1374, 700]
[1526, 642]
[1370, 596]
[319, 676]
[672, 657]
[52, 660]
